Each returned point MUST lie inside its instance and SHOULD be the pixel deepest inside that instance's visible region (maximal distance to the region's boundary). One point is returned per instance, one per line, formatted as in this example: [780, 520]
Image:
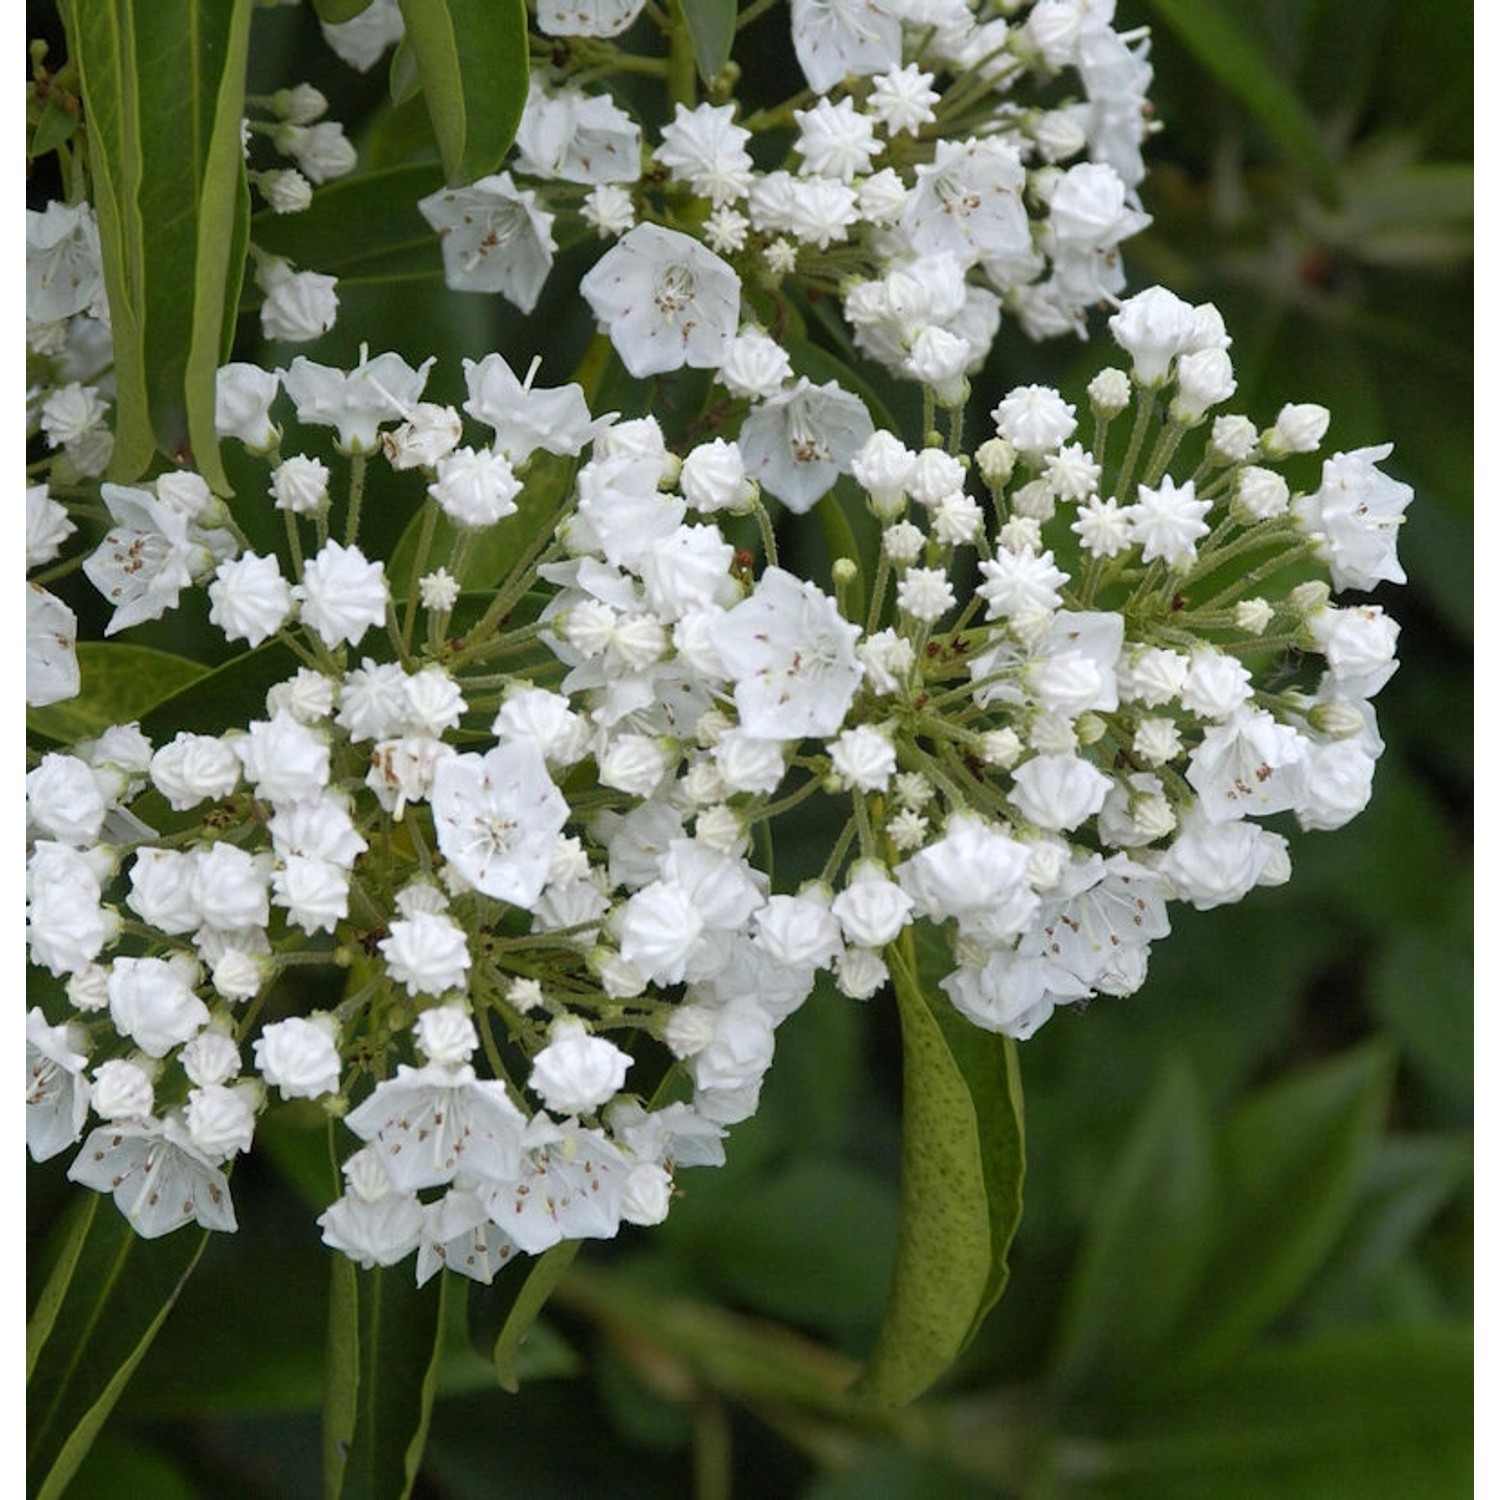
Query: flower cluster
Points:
[506, 819]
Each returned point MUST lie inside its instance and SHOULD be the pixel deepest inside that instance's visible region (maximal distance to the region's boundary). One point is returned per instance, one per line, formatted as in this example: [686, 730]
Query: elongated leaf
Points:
[335, 12]
[945, 1251]
[1149, 1237]
[109, 1294]
[1292, 1161]
[232, 693]
[1378, 1414]
[711, 25]
[164, 94]
[475, 66]
[363, 228]
[530, 1298]
[1235, 56]
[384, 1348]
[120, 683]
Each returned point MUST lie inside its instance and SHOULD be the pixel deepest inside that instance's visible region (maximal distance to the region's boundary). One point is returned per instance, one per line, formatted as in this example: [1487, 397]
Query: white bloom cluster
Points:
[1062, 706]
[928, 187]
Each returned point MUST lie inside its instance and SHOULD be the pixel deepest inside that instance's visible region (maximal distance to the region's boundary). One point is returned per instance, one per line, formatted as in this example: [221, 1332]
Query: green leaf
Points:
[164, 93]
[530, 1298]
[1148, 1239]
[108, 1295]
[1378, 1414]
[335, 12]
[119, 684]
[232, 693]
[364, 228]
[1292, 1161]
[1237, 58]
[711, 26]
[946, 1251]
[475, 65]
[385, 1338]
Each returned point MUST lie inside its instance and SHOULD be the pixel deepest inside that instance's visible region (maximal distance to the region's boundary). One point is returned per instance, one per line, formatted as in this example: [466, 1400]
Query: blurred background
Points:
[1245, 1265]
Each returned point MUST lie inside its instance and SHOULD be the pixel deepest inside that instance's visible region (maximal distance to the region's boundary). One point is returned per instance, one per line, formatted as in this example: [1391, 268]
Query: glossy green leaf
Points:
[109, 1294]
[232, 693]
[164, 94]
[475, 64]
[1292, 1161]
[119, 683]
[945, 1251]
[1235, 55]
[384, 1351]
[364, 228]
[1377, 1414]
[1148, 1240]
[711, 26]
[531, 1294]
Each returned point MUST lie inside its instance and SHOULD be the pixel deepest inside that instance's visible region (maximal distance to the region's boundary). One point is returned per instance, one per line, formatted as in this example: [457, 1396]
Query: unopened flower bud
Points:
[1310, 597]
[1253, 615]
[1109, 393]
[1337, 719]
[1298, 429]
[996, 459]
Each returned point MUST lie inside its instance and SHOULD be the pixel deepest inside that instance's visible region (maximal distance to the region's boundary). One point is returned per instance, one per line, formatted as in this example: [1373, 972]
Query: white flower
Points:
[864, 757]
[211, 1057]
[797, 442]
[1211, 864]
[902, 100]
[250, 600]
[475, 489]
[300, 1056]
[299, 306]
[428, 954]
[835, 140]
[1019, 582]
[242, 405]
[495, 239]
[754, 366]
[429, 433]
[834, 38]
[51, 656]
[151, 553]
[64, 271]
[1248, 765]
[322, 151]
[194, 768]
[57, 1093]
[220, 1119]
[967, 203]
[577, 137]
[525, 418]
[284, 760]
[586, 17]
[372, 701]
[1168, 521]
[798, 932]
[1298, 429]
[576, 1073]
[446, 1035]
[497, 816]
[1059, 791]
[1215, 685]
[658, 929]
[64, 801]
[1035, 420]
[871, 909]
[1360, 645]
[157, 1176]
[341, 594]
[376, 390]
[704, 148]
[360, 41]
[791, 655]
[285, 192]
[925, 594]
[1154, 327]
[313, 892]
[1354, 516]
[151, 1001]
[122, 1090]
[664, 300]
[428, 1124]
[713, 478]
[229, 887]
[300, 485]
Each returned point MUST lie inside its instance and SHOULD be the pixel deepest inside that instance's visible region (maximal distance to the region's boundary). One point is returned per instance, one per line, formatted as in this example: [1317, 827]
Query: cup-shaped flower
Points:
[665, 301]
